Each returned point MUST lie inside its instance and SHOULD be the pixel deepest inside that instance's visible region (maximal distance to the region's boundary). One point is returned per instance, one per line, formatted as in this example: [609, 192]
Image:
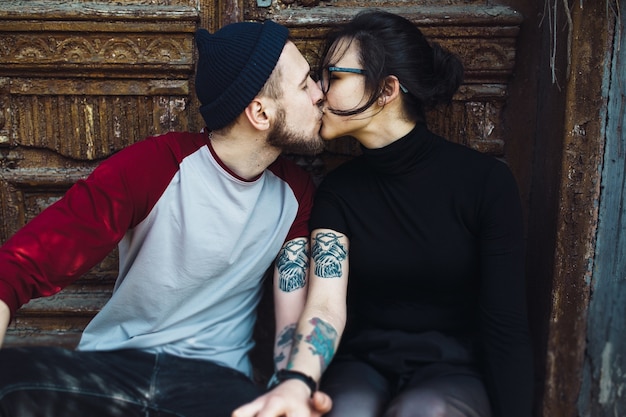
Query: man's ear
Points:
[258, 114]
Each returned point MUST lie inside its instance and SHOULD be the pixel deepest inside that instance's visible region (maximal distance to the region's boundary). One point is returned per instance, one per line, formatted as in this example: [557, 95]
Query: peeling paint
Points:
[606, 384]
[489, 128]
[613, 381]
[571, 173]
[89, 131]
[117, 127]
[579, 130]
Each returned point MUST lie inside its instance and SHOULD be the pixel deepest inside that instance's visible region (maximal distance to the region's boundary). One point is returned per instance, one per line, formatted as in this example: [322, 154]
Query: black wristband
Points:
[285, 374]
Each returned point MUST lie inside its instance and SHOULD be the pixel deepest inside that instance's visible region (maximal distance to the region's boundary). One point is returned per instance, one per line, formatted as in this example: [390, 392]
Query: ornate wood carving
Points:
[86, 79]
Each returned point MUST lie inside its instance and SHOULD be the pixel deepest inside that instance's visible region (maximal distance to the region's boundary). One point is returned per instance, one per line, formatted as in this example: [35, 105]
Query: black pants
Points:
[391, 373]
[45, 381]
[359, 390]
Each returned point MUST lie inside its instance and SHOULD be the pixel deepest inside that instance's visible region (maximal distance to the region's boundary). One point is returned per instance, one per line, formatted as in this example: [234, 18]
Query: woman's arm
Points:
[504, 324]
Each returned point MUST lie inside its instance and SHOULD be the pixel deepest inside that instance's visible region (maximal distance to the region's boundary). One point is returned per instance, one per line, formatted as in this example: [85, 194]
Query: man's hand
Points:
[289, 399]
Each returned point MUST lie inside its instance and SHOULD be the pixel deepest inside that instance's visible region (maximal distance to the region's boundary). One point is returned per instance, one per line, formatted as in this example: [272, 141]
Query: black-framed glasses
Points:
[325, 75]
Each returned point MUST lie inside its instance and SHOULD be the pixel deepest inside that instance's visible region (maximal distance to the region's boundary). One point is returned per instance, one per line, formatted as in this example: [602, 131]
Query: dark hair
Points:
[391, 45]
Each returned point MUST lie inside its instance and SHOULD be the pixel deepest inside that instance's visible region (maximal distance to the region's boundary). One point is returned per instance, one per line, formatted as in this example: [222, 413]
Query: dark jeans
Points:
[46, 381]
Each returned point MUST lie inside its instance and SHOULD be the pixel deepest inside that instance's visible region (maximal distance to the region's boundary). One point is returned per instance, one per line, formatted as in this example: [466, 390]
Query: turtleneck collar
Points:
[402, 155]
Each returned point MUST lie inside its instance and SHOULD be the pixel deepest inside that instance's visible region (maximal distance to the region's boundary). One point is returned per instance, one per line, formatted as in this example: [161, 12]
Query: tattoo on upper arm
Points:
[328, 252]
[292, 264]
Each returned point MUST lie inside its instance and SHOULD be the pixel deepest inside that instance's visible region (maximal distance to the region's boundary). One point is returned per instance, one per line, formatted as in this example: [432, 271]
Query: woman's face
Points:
[345, 91]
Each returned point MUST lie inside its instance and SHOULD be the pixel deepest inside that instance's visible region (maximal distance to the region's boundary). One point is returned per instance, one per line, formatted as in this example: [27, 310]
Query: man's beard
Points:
[290, 141]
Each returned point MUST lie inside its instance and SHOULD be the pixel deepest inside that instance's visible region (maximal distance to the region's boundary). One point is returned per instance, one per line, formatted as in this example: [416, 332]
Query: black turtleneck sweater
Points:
[436, 245]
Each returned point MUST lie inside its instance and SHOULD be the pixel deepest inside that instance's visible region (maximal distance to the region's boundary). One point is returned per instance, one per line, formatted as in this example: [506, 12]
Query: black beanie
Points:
[234, 64]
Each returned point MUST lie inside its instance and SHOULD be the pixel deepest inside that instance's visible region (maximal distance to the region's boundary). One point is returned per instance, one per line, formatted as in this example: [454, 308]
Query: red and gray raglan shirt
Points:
[194, 240]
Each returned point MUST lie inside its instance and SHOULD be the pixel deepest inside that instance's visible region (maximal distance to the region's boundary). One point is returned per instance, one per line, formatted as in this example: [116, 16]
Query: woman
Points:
[429, 233]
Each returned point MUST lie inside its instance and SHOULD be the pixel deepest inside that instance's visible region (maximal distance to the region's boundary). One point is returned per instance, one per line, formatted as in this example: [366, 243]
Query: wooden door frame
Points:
[581, 103]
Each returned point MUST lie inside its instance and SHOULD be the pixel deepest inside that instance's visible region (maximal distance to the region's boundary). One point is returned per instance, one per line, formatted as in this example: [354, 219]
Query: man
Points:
[198, 218]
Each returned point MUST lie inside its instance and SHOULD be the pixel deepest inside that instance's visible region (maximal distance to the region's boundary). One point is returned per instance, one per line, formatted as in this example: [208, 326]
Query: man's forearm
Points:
[5, 317]
[290, 288]
[283, 346]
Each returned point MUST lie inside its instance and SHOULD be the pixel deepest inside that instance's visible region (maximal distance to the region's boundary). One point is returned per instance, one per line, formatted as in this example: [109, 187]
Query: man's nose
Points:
[318, 97]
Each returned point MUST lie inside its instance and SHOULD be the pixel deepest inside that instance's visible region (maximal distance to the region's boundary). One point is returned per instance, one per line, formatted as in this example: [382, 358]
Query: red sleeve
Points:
[303, 188]
[72, 235]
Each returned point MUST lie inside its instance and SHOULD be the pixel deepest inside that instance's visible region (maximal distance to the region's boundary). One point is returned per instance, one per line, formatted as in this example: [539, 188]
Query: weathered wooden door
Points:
[604, 377]
[80, 80]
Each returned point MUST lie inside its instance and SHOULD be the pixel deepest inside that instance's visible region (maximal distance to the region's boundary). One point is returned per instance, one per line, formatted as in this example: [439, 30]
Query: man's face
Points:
[298, 117]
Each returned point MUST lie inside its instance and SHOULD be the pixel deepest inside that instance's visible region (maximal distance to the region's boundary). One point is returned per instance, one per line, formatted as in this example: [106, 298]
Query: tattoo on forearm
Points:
[294, 350]
[286, 336]
[292, 264]
[328, 253]
[322, 341]
[283, 343]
